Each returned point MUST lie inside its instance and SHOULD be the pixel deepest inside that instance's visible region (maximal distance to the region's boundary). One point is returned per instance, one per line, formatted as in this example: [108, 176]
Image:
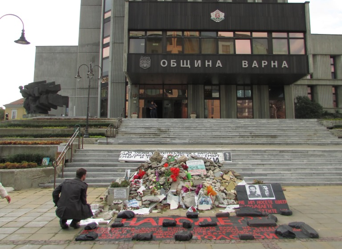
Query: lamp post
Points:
[90, 75]
[22, 39]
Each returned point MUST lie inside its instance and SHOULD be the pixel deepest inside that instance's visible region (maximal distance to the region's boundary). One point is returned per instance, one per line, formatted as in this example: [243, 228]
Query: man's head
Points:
[252, 189]
[265, 187]
[81, 174]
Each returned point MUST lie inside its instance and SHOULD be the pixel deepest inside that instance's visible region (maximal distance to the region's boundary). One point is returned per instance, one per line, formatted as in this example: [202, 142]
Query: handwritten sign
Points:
[144, 156]
[196, 167]
[271, 205]
[228, 228]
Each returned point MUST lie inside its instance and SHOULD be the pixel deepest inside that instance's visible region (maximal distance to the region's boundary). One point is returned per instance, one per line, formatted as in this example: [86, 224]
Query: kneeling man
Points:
[70, 197]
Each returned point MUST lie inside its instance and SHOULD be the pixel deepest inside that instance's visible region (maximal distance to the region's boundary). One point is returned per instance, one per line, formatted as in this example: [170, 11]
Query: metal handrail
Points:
[61, 157]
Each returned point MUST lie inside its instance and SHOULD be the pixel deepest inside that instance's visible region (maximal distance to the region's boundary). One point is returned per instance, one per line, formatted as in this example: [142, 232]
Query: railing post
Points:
[54, 176]
[71, 152]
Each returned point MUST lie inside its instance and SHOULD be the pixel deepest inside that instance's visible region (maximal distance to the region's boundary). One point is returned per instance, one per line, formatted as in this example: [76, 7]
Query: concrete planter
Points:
[27, 178]
[134, 115]
[193, 115]
[121, 193]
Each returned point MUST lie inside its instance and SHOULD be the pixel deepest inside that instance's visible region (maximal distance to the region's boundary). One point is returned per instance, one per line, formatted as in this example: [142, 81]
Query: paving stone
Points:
[18, 236]
[7, 246]
[27, 247]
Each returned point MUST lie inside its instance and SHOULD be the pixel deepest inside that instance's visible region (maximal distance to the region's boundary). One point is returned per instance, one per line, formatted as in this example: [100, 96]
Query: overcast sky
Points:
[51, 22]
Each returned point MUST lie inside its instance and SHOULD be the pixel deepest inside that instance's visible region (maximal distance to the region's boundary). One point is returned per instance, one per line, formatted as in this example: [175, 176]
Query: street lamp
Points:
[22, 39]
[90, 75]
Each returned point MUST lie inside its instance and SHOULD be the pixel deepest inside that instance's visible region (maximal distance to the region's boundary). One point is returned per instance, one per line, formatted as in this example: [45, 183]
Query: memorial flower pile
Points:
[178, 183]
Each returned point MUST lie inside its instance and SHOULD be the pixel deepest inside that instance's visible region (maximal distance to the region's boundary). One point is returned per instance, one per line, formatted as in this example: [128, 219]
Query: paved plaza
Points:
[29, 221]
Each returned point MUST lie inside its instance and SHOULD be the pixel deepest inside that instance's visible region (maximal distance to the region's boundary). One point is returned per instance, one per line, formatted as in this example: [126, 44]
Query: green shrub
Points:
[115, 185]
[34, 158]
[305, 108]
[124, 184]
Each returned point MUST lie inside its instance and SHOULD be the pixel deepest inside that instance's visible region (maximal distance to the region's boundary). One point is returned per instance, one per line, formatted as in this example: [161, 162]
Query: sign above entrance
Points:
[217, 16]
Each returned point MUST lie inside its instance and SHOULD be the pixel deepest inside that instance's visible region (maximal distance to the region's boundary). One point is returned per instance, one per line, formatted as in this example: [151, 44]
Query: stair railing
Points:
[61, 158]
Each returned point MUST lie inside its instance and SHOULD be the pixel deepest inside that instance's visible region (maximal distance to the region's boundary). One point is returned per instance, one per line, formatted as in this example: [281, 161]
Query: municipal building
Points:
[214, 58]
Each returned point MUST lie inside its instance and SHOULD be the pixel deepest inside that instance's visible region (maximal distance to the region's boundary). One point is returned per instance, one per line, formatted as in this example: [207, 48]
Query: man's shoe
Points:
[63, 225]
[75, 225]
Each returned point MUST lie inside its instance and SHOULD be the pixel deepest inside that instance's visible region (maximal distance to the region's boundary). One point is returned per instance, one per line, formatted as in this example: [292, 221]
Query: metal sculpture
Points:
[40, 97]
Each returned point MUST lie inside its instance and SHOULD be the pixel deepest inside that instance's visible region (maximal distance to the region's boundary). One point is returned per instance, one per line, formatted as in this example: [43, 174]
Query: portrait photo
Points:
[266, 191]
[253, 192]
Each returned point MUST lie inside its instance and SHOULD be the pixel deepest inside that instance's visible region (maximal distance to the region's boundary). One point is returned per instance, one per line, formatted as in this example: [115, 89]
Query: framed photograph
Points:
[45, 161]
[260, 192]
[253, 192]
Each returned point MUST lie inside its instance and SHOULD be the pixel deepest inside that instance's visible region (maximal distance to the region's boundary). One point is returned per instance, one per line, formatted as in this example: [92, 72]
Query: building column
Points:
[289, 101]
[261, 101]
[231, 107]
[196, 100]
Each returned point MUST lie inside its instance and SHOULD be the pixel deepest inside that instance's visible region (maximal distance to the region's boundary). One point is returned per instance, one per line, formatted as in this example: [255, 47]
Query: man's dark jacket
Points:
[72, 203]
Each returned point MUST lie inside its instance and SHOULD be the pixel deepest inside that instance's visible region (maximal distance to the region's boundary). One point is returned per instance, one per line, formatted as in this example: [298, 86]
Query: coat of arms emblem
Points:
[217, 16]
[145, 62]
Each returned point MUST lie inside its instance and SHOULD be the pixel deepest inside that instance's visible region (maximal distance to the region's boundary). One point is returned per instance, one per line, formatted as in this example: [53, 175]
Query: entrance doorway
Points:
[167, 108]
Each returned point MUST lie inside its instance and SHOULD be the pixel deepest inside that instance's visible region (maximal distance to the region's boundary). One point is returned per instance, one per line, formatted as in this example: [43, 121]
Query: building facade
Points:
[214, 58]
[15, 110]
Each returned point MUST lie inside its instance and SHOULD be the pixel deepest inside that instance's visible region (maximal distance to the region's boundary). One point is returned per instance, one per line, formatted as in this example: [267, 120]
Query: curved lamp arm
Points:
[22, 39]
[100, 71]
[78, 76]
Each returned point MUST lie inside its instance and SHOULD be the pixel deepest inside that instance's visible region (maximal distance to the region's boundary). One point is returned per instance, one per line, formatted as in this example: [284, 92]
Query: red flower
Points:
[166, 164]
[175, 173]
[140, 174]
[185, 167]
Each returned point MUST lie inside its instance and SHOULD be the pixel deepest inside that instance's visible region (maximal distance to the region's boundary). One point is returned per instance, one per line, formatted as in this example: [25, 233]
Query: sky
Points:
[56, 23]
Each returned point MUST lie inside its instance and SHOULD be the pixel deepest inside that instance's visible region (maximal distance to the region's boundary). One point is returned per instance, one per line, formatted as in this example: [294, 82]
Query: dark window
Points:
[310, 92]
[334, 89]
[244, 101]
[212, 101]
[332, 66]
[276, 102]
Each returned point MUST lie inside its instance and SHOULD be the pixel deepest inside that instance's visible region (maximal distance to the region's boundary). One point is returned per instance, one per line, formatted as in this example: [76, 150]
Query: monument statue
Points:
[40, 97]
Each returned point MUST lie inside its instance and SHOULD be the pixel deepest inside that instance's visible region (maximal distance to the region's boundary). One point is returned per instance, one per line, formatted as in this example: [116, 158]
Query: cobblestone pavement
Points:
[29, 222]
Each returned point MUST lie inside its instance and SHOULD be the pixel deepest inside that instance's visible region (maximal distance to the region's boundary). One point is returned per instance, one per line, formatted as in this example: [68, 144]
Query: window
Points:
[334, 90]
[105, 67]
[276, 102]
[244, 101]
[174, 42]
[212, 102]
[243, 46]
[14, 114]
[107, 8]
[212, 42]
[297, 44]
[137, 42]
[332, 66]
[310, 92]
[260, 46]
[154, 42]
[191, 42]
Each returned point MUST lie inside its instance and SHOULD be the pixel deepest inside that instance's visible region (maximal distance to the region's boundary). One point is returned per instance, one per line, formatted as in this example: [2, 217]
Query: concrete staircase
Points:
[223, 131]
[284, 166]
[289, 152]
